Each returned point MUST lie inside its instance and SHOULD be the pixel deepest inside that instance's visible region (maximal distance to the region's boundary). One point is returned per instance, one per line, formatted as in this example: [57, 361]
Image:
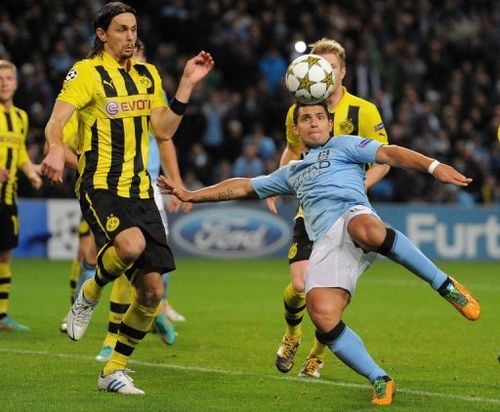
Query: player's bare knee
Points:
[367, 231]
[149, 287]
[298, 275]
[90, 257]
[5, 256]
[298, 283]
[149, 296]
[130, 244]
[374, 237]
[324, 322]
[324, 319]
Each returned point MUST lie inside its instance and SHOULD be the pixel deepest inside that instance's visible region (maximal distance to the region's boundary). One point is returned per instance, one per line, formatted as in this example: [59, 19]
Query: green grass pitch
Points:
[223, 359]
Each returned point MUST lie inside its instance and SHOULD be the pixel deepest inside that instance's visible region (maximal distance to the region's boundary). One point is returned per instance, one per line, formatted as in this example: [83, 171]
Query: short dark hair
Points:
[103, 20]
[298, 105]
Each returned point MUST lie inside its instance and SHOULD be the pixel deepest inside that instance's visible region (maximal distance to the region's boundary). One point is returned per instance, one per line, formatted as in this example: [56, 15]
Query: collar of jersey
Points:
[109, 61]
[314, 149]
[2, 108]
[341, 101]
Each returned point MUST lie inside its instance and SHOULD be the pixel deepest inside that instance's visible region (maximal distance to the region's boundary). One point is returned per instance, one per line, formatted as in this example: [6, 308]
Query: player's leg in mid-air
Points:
[295, 304]
[371, 234]
[83, 266]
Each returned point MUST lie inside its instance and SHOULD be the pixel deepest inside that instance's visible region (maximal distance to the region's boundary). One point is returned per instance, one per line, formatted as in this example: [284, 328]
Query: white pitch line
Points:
[250, 374]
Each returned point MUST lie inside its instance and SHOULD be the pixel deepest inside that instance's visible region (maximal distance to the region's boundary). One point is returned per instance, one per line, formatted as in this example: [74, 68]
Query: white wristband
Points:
[433, 166]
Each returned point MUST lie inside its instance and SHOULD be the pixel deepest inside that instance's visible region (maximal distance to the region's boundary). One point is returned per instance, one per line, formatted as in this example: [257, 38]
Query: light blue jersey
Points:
[327, 182]
[154, 159]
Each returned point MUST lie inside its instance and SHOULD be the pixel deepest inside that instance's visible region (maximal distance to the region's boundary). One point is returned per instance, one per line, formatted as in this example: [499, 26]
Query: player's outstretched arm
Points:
[230, 189]
[401, 157]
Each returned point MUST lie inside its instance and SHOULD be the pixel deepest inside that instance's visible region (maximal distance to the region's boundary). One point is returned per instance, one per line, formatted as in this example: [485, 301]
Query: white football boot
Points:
[119, 382]
[79, 315]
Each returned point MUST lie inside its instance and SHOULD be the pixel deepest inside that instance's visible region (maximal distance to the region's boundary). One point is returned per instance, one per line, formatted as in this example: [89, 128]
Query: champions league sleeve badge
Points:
[71, 75]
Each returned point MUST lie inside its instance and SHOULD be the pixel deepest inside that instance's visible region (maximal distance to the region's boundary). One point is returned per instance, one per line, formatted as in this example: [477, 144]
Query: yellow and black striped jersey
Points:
[13, 153]
[351, 116]
[114, 107]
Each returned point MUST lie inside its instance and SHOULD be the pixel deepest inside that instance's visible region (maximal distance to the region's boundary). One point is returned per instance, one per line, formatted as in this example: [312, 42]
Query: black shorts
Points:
[9, 224]
[108, 214]
[83, 228]
[301, 246]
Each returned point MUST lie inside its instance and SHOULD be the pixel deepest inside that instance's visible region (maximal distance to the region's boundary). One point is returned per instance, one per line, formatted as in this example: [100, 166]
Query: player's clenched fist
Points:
[53, 164]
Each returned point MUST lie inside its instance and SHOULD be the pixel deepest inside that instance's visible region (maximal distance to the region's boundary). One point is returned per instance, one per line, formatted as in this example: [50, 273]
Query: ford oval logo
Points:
[231, 232]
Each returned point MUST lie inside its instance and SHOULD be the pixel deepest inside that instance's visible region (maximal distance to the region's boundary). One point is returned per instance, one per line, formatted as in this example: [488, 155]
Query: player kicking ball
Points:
[346, 231]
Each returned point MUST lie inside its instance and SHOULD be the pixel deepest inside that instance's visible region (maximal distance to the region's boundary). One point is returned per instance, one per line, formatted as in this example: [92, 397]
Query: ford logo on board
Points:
[231, 232]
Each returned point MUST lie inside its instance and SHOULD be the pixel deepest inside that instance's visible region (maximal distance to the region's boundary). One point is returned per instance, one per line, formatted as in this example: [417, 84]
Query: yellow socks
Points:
[73, 278]
[109, 267]
[295, 305]
[135, 324]
[318, 350]
[5, 278]
[119, 302]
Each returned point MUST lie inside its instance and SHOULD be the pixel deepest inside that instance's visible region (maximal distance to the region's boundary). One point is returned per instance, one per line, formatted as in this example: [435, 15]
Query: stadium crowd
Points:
[431, 67]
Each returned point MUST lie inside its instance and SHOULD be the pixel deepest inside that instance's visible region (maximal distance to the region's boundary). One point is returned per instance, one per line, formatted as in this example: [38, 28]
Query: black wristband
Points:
[178, 107]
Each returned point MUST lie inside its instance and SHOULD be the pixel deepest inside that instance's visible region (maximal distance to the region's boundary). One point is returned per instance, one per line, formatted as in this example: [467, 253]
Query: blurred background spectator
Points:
[430, 66]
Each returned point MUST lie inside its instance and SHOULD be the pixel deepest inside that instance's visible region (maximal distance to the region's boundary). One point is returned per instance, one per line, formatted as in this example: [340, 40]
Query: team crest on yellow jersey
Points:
[145, 81]
[292, 252]
[112, 223]
[346, 127]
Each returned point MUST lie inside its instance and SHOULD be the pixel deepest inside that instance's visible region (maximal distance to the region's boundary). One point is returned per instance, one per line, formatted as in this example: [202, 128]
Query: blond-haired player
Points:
[13, 156]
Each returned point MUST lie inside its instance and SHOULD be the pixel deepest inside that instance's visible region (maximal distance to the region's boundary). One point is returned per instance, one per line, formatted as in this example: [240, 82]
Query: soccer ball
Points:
[310, 79]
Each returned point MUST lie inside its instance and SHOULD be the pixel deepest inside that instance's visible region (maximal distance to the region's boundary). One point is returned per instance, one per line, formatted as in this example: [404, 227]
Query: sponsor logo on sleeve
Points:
[380, 126]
